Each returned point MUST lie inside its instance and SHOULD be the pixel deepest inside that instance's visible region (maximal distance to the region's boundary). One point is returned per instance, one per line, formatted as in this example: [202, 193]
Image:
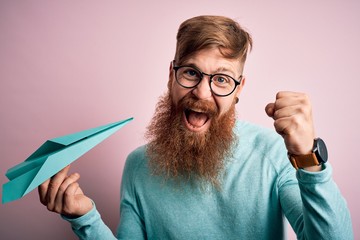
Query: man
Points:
[206, 175]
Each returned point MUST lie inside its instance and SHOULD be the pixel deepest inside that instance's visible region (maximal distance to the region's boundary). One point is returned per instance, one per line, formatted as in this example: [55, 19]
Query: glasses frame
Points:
[211, 76]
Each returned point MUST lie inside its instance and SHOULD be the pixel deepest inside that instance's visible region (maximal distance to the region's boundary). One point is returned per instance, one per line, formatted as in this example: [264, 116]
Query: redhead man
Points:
[205, 174]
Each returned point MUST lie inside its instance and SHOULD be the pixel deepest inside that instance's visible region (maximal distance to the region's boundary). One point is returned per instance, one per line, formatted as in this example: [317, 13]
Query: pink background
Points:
[66, 66]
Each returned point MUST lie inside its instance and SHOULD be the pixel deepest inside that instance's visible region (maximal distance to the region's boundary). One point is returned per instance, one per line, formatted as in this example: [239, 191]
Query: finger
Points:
[286, 102]
[287, 111]
[59, 199]
[43, 188]
[290, 125]
[269, 109]
[43, 191]
[286, 94]
[284, 126]
[69, 204]
[290, 98]
[54, 185]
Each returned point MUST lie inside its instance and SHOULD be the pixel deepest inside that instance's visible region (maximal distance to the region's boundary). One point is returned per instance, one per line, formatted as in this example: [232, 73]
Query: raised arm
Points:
[320, 212]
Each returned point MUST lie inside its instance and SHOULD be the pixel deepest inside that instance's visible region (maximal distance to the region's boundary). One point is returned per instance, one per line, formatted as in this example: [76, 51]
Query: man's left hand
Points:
[293, 120]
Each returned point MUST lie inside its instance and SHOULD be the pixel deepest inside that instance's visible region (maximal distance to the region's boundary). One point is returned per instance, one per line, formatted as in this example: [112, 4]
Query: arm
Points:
[318, 211]
[325, 211]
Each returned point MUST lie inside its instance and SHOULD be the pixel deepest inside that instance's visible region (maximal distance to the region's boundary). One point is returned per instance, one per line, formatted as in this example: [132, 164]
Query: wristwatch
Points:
[318, 156]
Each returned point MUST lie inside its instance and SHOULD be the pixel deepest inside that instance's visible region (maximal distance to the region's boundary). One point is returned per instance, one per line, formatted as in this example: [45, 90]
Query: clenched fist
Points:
[293, 120]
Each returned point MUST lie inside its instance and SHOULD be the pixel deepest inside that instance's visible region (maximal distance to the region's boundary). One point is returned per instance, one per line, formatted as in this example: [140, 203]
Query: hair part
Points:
[204, 32]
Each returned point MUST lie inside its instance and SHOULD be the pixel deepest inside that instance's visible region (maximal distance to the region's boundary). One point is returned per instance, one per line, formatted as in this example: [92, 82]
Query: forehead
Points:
[212, 61]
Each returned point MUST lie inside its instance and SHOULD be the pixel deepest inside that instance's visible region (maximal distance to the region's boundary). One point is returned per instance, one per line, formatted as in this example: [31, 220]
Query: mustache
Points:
[198, 105]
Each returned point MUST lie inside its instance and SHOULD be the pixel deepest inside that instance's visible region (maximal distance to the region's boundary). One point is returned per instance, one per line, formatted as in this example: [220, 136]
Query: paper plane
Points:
[51, 157]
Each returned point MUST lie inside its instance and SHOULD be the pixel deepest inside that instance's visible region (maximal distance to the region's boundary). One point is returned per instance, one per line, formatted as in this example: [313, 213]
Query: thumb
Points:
[270, 109]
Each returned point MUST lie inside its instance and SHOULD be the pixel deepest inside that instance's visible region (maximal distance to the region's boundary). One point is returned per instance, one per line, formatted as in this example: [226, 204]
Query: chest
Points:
[240, 208]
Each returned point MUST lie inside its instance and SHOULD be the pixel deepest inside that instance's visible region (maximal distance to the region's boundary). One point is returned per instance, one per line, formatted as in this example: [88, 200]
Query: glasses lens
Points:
[222, 84]
[188, 76]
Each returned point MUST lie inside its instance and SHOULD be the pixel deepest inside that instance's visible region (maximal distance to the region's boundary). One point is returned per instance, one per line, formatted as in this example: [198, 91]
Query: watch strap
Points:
[303, 161]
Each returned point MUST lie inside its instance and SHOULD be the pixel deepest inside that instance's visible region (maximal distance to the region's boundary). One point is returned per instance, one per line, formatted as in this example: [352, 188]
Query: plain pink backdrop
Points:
[66, 66]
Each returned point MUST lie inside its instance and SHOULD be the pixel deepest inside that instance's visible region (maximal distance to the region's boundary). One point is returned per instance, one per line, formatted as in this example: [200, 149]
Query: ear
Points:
[171, 74]
[240, 87]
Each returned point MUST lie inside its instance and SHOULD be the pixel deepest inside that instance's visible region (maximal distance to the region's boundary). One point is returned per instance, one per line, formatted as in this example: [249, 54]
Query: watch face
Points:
[321, 151]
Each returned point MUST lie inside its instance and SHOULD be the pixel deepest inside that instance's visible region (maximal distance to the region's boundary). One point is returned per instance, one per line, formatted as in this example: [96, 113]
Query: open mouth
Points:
[196, 120]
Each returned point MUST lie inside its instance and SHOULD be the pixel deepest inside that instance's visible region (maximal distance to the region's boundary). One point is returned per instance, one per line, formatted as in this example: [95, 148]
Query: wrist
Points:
[84, 207]
[313, 160]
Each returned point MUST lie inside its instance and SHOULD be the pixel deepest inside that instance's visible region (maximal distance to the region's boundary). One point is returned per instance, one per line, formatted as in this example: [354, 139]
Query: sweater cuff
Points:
[84, 220]
[306, 177]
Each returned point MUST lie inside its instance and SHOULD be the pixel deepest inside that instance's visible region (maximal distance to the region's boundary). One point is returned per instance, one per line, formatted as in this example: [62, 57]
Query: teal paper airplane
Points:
[51, 157]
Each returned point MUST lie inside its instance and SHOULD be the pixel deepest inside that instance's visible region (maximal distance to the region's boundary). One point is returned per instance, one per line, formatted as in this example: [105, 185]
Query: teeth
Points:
[196, 110]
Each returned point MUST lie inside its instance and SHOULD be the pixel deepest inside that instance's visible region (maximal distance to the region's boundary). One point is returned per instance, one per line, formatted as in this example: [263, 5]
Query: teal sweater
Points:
[260, 189]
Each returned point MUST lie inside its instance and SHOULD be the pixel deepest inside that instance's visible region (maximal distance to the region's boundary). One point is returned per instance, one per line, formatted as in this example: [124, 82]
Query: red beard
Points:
[178, 153]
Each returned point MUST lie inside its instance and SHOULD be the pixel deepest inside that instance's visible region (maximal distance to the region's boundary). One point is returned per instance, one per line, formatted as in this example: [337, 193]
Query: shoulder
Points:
[257, 136]
[137, 155]
[135, 160]
[262, 142]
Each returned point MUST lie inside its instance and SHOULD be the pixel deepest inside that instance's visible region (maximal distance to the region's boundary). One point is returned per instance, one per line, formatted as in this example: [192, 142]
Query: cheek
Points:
[224, 104]
[177, 93]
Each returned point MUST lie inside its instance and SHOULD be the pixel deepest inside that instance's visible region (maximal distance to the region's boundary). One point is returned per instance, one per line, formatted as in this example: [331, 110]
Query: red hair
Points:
[212, 31]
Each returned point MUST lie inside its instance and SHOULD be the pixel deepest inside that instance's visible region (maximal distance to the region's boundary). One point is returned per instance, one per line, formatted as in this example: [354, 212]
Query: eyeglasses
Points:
[221, 85]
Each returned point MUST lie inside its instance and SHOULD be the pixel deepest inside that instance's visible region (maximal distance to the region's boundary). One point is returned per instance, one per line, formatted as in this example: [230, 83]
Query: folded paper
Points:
[51, 157]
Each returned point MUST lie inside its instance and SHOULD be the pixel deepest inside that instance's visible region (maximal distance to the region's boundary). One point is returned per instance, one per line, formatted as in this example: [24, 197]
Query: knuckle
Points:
[50, 207]
[295, 124]
[57, 209]
[277, 123]
[43, 201]
[305, 111]
[289, 131]
[295, 121]
[276, 105]
[68, 209]
[276, 115]
[278, 127]
[305, 98]
[67, 194]
[54, 185]
[302, 110]
[62, 188]
[42, 188]
[74, 176]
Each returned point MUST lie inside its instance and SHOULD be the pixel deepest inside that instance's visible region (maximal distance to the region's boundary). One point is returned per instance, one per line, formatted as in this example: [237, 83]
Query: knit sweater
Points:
[259, 190]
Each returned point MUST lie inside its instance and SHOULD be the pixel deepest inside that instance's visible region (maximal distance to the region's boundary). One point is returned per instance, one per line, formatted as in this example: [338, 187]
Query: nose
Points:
[203, 90]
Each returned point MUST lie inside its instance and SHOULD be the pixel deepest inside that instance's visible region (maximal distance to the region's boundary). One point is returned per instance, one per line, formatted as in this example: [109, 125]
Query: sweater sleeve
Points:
[90, 226]
[318, 210]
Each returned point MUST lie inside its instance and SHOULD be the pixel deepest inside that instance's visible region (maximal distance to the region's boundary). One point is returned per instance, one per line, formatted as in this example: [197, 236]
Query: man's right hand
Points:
[62, 194]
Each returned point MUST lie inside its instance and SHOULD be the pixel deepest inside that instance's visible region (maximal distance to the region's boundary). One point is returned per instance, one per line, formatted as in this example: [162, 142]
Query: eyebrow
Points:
[218, 70]
[224, 69]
